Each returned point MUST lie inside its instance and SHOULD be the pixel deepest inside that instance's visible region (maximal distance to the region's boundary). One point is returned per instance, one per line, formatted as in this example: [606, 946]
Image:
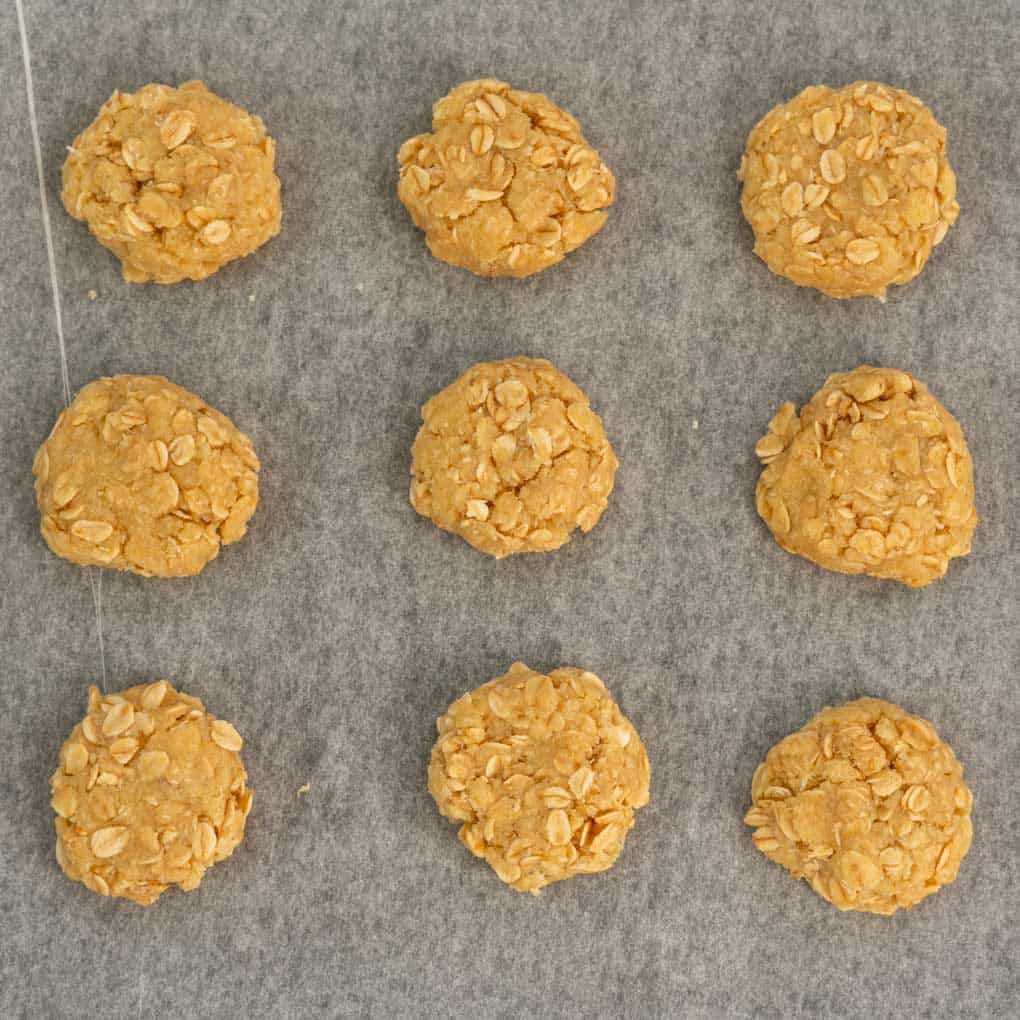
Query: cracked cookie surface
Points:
[511, 458]
[505, 184]
[544, 774]
[872, 477]
[151, 792]
[141, 475]
[176, 182]
[866, 804]
[848, 190]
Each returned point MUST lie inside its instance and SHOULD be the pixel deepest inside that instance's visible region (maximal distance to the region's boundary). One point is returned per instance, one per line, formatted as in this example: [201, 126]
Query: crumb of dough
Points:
[866, 804]
[93, 295]
[848, 190]
[176, 182]
[544, 773]
[302, 790]
[150, 792]
[511, 458]
[141, 475]
[505, 184]
[872, 477]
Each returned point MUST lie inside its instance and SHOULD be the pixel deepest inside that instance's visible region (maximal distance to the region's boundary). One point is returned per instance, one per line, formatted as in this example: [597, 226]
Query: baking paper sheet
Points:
[337, 631]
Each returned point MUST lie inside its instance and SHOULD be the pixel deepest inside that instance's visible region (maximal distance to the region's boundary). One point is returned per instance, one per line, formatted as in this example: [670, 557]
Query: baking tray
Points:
[337, 631]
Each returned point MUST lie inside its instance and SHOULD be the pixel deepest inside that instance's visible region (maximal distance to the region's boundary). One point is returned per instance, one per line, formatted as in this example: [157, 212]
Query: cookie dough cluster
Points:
[543, 772]
[872, 477]
[505, 183]
[512, 458]
[866, 804]
[141, 475]
[848, 190]
[150, 792]
[176, 182]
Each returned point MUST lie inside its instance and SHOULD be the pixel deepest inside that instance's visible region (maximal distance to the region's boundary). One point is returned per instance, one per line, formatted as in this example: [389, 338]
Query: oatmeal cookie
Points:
[544, 774]
[511, 458]
[150, 792]
[873, 477]
[505, 185]
[867, 804]
[848, 190]
[176, 182]
[141, 475]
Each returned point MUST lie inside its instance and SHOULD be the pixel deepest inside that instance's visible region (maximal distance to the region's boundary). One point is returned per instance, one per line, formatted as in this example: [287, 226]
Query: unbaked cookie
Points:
[867, 804]
[142, 475]
[150, 792]
[176, 182]
[848, 190]
[511, 458]
[873, 477]
[505, 185]
[543, 772]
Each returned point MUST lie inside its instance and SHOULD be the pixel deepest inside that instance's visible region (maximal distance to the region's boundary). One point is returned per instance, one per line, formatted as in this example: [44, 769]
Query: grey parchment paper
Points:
[337, 631]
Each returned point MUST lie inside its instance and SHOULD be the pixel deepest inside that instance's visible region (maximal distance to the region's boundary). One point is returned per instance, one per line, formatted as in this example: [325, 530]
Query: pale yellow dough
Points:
[865, 803]
[872, 477]
[543, 772]
[176, 182]
[141, 475]
[505, 184]
[511, 458]
[848, 190]
[150, 792]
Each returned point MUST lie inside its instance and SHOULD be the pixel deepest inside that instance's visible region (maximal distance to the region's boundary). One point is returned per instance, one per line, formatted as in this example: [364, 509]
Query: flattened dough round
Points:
[867, 804]
[141, 475]
[511, 458]
[176, 182]
[544, 774]
[873, 477]
[150, 792]
[505, 184]
[848, 190]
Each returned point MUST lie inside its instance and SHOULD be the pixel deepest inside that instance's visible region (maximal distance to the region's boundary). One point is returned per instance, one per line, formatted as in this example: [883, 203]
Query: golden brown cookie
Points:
[505, 185]
[150, 792]
[544, 773]
[873, 477]
[848, 190]
[867, 804]
[511, 458]
[142, 475]
[176, 182]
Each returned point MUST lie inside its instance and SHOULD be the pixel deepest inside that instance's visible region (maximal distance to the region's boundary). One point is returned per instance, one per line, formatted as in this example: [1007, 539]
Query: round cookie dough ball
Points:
[873, 477]
[511, 458]
[175, 182]
[867, 804]
[505, 185]
[848, 190]
[142, 475]
[150, 792]
[543, 772]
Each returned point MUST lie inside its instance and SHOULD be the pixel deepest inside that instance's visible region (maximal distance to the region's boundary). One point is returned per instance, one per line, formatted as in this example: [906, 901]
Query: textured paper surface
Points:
[335, 633]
